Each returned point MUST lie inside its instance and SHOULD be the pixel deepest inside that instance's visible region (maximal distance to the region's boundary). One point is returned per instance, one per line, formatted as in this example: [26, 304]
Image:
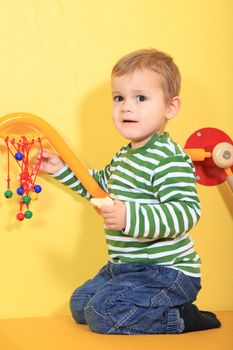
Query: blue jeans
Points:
[134, 298]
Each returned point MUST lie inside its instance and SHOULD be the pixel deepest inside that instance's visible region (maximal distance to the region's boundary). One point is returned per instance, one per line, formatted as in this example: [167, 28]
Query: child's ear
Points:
[173, 107]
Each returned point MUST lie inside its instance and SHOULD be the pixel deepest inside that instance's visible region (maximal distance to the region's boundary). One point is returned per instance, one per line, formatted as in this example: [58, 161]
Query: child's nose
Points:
[127, 106]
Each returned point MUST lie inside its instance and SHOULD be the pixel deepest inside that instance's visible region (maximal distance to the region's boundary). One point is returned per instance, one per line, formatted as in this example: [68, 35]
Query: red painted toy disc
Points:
[207, 172]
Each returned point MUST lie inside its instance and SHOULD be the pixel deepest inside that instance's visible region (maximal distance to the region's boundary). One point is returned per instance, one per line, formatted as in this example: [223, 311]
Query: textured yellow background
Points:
[55, 61]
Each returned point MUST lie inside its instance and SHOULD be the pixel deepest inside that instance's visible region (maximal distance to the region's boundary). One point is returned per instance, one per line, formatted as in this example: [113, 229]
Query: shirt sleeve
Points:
[178, 208]
[69, 179]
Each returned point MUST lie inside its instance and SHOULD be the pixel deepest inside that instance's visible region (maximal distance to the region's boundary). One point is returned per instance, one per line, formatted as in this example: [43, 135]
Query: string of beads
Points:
[28, 189]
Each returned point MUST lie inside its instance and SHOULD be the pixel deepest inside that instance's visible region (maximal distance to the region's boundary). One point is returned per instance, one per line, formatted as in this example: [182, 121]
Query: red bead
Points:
[20, 216]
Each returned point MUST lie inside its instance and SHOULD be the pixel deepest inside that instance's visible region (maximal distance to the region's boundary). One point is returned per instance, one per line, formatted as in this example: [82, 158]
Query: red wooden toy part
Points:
[207, 172]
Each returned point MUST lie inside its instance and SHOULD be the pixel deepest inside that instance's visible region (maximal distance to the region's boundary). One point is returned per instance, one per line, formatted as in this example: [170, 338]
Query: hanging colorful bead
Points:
[27, 189]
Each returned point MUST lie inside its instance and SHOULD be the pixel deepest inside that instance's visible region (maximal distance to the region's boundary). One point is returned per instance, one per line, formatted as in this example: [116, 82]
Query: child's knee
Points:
[96, 314]
[96, 320]
[106, 315]
[78, 301]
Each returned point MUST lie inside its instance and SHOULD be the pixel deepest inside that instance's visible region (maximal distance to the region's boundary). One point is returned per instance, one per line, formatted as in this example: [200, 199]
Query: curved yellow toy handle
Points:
[56, 141]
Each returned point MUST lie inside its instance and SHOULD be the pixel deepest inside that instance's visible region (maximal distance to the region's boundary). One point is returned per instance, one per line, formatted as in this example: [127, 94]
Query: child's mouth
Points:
[129, 121]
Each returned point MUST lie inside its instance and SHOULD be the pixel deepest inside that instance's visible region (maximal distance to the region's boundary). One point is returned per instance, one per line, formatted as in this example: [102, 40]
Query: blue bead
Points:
[18, 156]
[20, 191]
[37, 188]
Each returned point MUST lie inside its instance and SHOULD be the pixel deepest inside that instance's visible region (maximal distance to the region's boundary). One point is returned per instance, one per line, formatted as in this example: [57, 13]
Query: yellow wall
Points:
[55, 61]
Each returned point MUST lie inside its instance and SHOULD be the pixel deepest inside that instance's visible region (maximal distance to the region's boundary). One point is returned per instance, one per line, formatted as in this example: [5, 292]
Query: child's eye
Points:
[141, 98]
[117, 98]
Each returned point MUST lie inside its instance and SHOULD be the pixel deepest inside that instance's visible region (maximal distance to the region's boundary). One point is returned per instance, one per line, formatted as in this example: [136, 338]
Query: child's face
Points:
[139, 108]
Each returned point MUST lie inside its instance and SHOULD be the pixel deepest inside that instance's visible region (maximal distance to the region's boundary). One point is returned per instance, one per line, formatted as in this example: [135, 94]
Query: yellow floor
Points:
[61, 333]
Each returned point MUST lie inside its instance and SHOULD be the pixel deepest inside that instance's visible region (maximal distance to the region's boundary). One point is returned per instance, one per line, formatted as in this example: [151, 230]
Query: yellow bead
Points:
[33, 195]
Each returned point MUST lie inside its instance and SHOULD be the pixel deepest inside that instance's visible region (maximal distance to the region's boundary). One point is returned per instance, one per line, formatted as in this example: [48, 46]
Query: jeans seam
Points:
[81, 296]
[121, 322]
[180, 286]
[111, 301]
[172, 287]
[93, 309]
[163, 294]
[193, 290]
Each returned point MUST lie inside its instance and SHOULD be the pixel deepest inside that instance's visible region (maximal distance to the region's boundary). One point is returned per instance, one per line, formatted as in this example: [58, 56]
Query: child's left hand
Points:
[114, 215]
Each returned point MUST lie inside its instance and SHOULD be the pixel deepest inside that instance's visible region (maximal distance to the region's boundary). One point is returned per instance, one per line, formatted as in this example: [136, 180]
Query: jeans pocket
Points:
[188, 287]
[179, 291]
[161, 299]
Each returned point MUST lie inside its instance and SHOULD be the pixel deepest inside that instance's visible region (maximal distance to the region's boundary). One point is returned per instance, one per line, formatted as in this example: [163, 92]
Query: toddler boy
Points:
[153, 273]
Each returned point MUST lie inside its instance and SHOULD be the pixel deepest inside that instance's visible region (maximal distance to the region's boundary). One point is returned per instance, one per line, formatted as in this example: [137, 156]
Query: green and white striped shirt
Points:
[158, 186]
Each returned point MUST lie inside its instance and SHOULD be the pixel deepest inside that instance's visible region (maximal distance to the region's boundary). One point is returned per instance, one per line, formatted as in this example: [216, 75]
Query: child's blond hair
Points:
[156, 61]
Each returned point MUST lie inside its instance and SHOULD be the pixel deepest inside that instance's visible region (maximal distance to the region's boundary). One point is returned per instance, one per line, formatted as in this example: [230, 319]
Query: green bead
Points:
[26, 199]
[8, 193]
[28, 214]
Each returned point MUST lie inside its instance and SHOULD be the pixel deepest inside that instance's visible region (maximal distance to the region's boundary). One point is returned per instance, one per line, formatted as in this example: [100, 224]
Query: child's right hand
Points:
[51, 162]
